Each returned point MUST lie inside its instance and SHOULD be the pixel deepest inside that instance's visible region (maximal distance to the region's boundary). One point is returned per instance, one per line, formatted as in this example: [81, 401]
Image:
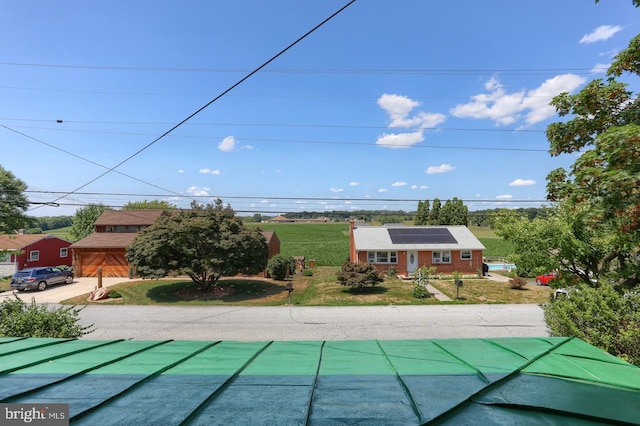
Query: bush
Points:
[358, 276]
[278, 267]
[307, 272]
[392, 272]
[17, 319]
[420, 292]
[600, 316]
[517, 283]
[114, 294]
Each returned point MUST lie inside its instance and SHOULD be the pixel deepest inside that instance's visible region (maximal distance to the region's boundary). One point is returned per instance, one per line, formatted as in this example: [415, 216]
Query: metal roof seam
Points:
[403, 385]
[224, 385]
[313, 387]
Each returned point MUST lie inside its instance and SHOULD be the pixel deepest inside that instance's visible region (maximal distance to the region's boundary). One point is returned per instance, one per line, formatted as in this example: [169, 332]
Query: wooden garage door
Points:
[113, 264]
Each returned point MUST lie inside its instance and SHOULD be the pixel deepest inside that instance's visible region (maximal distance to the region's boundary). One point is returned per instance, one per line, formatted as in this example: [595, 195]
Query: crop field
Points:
[326, 243]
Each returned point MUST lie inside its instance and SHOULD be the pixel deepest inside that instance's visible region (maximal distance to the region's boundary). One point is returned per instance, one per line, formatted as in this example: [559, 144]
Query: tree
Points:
[434, 215]
[422, 215]
[603, 317]
[604, 182]
[84, 219]
[358, 276]
[280, 266]
[563, 241]
[13, 203]
[205, 243]
[149, 205]
[454, 212]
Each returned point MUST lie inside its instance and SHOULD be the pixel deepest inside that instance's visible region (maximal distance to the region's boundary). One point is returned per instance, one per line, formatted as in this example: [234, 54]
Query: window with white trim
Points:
[34, 255]
[465, 255]
[64, 252]
[443, 256]
[382, 257]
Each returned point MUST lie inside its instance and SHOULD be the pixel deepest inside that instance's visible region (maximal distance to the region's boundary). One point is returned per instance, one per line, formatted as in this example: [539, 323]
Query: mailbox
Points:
[458, 285]
[289, 287]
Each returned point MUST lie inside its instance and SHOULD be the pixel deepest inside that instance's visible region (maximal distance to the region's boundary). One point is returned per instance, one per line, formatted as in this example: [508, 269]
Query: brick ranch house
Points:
[407, 248]
[19, 251]
[113, 232]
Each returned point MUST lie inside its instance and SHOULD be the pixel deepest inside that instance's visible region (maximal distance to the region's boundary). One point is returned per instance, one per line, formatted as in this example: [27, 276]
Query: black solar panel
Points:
[421, 236]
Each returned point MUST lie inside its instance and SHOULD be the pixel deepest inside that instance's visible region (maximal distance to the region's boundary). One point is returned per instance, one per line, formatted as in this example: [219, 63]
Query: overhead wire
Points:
[190, 116]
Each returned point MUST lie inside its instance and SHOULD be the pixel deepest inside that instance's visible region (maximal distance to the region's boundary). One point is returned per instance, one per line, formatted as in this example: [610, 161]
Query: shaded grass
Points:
[321, 289]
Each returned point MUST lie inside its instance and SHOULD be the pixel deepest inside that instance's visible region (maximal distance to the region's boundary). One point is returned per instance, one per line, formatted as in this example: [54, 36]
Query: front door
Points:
[412, 261]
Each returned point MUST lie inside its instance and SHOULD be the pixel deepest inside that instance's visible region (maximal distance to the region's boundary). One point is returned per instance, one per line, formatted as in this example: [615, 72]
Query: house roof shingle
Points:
[128, 217]
[105, 240]
[20, 241]
[378, 238]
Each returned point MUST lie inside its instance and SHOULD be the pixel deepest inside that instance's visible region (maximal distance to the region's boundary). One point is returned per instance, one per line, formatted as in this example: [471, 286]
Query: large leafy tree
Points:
[13, 203]
[205, 243]
[84, 219]
[603, 184]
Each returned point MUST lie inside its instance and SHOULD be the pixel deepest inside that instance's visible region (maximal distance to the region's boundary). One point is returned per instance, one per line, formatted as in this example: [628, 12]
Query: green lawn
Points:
[321, 289]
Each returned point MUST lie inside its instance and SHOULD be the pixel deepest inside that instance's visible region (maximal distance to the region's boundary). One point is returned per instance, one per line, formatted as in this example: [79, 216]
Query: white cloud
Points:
[600, 68]
[399, 184]
[348, 202]
[264, 201]
[537, 100]
[506, 108]
[227, 144]
[354, 183]
[198, 192]
[443, 168]
[602, 33]
[209, 171]
[399, 109]
[382, 190]
[504, 197]
[336, 190]
[400, 140]
[180, 171]
[523, 182]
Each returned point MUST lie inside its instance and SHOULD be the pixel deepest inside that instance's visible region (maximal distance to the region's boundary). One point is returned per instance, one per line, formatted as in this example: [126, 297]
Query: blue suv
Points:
[40, 278]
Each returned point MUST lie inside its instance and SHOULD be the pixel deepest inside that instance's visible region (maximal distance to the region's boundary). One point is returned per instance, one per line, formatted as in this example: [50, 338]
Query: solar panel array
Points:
[421, 236]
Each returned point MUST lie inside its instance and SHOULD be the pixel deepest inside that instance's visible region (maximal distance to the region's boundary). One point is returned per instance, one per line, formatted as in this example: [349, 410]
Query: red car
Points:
[545, 278]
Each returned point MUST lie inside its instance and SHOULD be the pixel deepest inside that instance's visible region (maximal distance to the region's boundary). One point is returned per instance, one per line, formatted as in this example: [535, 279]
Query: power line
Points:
[320, 142]
[239, 82]
[420, 71]
[257, 197]
[303, 125]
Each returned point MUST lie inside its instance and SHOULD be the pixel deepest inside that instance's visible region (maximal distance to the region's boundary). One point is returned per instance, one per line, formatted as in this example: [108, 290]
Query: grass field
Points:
[64, 233]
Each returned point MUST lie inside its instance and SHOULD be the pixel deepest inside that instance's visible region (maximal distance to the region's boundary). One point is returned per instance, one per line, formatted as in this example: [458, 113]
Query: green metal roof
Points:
[386, 382]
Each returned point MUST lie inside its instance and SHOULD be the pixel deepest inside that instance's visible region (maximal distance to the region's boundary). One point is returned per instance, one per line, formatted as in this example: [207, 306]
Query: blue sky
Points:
[388, 103]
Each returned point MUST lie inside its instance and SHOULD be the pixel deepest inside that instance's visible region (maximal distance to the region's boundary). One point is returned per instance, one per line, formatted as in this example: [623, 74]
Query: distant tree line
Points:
[452, 212]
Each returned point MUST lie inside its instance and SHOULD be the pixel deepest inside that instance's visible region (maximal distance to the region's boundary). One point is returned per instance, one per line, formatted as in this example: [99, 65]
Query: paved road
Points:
[313, 323]
[295, 322]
